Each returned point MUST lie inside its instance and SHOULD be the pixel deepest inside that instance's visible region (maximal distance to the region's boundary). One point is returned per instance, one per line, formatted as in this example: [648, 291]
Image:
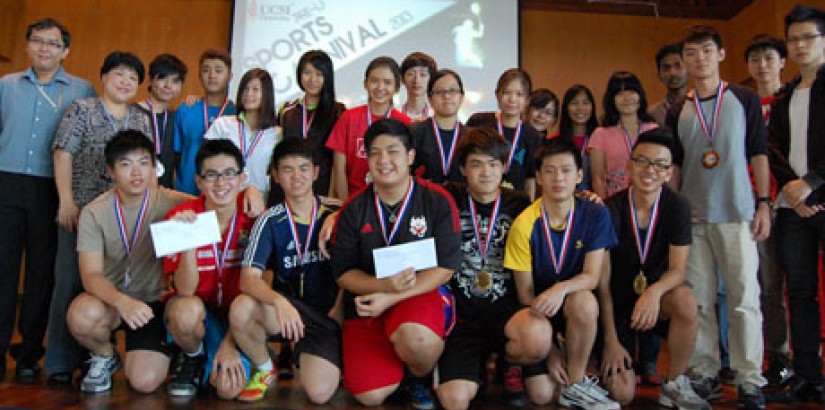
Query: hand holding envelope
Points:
[173, 236]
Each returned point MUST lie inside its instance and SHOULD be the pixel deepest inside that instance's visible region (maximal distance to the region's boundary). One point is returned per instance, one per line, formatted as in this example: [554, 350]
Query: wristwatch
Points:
[765, 199]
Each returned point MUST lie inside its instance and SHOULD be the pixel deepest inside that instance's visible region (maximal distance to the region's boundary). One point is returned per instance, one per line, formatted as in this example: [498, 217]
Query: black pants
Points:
[28, 207]
[797, 251]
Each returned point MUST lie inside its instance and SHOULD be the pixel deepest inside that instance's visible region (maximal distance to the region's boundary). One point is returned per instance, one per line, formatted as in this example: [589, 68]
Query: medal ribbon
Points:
[516, 139]
[424, 113]
[484, 245]
[129, 243]
[253, 144]
[643, 244]
[306, 122]
[709, 129]
[627, 139]
[206, 122]
[220, 257]
[446, 159]
[404, 204]
[558, 262]
[155, 128]
[369, 115]
[303, 254]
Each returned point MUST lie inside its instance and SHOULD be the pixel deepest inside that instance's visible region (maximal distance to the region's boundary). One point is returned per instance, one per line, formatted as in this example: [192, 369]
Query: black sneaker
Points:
[727, 376]
[285, 365]
[27, 372]
[797, 390]
[60, 379]
[778, 374]
[186, 377]
[513, 392]
[707, 388]
[751, 397]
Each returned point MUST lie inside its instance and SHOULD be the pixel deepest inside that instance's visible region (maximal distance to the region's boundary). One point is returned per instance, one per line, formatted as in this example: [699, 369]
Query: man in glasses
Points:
[31, 105]
[642, 287]
[797, 153]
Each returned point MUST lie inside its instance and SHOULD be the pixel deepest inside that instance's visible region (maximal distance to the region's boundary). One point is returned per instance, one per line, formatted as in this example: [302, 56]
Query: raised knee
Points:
[240, 312]
[85, 312]
[454, 399]
[416, 338]
[186, 314]
[686, 310]
[581, 306]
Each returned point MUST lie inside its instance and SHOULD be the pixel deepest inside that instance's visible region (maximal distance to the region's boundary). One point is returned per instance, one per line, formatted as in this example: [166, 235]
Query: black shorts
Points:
[628, 337]
[469, 345]
[151, 336]
[322, 334]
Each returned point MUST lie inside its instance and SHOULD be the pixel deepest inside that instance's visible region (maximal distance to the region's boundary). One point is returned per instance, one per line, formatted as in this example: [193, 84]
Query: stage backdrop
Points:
[477, 38]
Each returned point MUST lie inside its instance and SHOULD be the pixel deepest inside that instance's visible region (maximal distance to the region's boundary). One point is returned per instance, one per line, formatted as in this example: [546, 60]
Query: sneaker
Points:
[751, 397]
[727, 376]
[707, 388]
[99, 377]
[778, 373]
[285, 362]
[586, 395]
[186, 376]
[797, 390]
[420, 396]
[257, 386]
[513, 391]
[679, 394]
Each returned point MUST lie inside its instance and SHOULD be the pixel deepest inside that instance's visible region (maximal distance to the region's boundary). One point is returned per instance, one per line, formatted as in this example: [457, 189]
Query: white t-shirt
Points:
[256, 156]
[798, 153]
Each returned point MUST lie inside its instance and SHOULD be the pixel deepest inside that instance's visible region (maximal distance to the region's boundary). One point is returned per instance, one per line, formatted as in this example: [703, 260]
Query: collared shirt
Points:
[28, 120]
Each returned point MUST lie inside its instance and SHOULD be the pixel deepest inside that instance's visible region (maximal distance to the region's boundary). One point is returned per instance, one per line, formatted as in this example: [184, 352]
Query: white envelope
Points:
[419, 255]
[171, 237]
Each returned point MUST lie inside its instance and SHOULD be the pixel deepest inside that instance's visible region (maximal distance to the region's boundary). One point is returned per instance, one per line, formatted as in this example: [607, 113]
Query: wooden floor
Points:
[288, 395]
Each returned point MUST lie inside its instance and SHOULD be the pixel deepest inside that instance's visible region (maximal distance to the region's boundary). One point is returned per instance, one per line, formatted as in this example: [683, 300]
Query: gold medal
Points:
[506, 184]
[484, 280]
[710, 159]
[639, 283]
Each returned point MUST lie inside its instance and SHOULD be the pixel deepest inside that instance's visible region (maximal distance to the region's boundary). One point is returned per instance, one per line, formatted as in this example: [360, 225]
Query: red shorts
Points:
[370, 361]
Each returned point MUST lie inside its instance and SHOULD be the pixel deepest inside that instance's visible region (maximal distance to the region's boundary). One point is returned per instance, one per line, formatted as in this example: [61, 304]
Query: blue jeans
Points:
[63, 353]
[798, 244]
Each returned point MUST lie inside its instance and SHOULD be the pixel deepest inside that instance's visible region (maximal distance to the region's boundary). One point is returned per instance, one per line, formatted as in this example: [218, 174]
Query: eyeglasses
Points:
[802, 38]
[228, 175]
[444, 93]
[40, 42]
[660, 166]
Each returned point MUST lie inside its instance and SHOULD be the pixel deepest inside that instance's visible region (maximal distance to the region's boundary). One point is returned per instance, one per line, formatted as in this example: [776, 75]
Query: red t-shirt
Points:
[207, 262]
[347, 137]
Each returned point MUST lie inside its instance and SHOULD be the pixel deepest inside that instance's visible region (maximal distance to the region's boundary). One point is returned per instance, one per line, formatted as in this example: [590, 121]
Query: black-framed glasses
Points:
[658, 165]
[802, 38]
[228, 174]
[444, 93]
[53, 44]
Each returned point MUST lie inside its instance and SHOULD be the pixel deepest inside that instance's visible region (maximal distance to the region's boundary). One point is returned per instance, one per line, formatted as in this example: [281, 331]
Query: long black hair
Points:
[618, 82]
[325, 111]
[565, 121]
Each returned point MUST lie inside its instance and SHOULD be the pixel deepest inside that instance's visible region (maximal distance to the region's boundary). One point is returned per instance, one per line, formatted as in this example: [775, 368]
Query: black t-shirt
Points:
[673, 228]
[473, 295]
[431, 213]
[167, 144]
[522, 165]
[290, 119]
[427, 163]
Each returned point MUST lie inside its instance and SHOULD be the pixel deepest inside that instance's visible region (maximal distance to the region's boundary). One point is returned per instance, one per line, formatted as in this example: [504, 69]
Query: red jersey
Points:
[347, 137]
[209, 287]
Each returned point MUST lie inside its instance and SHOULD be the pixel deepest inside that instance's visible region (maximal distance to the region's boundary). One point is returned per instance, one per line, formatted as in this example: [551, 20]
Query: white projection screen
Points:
[479, 39]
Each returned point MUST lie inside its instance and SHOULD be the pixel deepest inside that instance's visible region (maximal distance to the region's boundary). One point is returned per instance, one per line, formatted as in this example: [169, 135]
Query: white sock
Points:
[267, 366]
[197, 352]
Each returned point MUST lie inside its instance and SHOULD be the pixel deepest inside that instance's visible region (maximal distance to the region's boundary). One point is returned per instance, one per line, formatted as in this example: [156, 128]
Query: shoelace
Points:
[96, 365]
[685, 389]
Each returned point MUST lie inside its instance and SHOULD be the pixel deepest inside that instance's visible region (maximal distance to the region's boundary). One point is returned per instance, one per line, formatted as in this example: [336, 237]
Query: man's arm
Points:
[762, 219]
[68, 212]
[339, 176]
[186, 276]
[551, 300]
[134, 312]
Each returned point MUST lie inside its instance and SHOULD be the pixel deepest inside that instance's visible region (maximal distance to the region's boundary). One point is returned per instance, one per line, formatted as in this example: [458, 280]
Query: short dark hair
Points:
[419, 59]
[391, 127]
[293, 147]
[665, 51]
[541, 98]
[386, 62]
[215, 54]
[116, 59]
[557, 146]
[803, 14]
[47, 23]
[441, 74]
[165, 65]
[618, 82]
[213, 148]
[484, 141]
[511, 75]
[660, 136]
[763, 42]
[267, 117]
[124, 142]
[699, 33]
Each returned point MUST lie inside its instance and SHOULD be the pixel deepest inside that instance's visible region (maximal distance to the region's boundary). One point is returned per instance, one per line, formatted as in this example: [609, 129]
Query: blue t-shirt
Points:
[189, 131]
[527, 249]
[272, 246]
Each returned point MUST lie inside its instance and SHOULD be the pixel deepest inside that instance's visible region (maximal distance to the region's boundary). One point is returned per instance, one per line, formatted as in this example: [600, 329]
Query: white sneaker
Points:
[586, 395]
[679, 394]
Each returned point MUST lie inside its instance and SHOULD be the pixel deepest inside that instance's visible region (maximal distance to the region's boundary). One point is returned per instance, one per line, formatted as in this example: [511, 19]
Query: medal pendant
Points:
[710, 159]
[368, 178]
[506, 184]
[639, 283]
[484, 280]
[159, 169]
